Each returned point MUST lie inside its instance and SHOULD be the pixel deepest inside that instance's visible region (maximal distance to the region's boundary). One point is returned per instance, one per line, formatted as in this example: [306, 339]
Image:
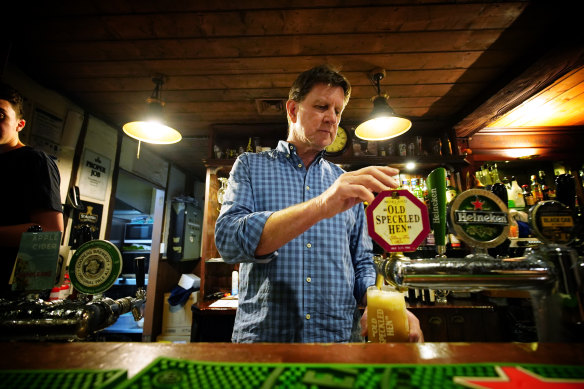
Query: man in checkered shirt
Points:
[296, 224]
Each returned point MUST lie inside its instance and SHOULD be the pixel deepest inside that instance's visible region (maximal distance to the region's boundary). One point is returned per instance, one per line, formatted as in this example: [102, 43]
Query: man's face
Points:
[315, 120]
[10, 125]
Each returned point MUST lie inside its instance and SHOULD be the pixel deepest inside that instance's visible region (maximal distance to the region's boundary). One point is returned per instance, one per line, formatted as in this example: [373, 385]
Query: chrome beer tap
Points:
[31, 318]
[552, 272]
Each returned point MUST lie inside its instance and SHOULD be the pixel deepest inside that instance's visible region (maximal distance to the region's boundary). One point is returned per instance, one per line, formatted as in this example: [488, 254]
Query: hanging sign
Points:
[397, 221]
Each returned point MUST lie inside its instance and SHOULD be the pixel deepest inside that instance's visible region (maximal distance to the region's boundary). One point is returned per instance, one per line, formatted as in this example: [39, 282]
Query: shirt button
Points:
[308, 279]
[308, 316]
[307, 187]
[308, 245]
[287, 155]
[299, 165]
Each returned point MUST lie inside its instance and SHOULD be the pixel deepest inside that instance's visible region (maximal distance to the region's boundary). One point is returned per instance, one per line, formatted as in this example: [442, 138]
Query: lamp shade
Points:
[382, 123]
[152, 129]
[152, 132]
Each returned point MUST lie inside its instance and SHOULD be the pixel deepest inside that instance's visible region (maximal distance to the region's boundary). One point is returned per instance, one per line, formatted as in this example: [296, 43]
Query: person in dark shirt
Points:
[30, 181]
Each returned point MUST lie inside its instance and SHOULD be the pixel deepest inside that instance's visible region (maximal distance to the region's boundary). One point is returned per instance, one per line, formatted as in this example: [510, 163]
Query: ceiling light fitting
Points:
[383, 123]
[152, 129]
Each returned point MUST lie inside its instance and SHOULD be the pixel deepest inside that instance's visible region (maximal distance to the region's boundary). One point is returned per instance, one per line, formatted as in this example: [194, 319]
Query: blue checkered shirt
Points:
[307, 290]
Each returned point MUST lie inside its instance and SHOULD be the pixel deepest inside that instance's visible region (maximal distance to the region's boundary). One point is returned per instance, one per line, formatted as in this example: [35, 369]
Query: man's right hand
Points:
[355, 187]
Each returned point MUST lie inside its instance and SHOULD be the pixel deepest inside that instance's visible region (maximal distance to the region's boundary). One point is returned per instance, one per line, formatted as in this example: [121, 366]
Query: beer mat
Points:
[58, 379]
[176, 373]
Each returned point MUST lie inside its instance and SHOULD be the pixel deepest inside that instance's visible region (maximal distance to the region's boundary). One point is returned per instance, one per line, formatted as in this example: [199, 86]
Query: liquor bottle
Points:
[417, 189]
[494, 174]
[500, 190]
[528, 196]
[425, 191]
[447, 146]
[536, 189]
[515, 194]
[413, 184]
[478, 180]
[451, 191]
[545, 190]
[405, 184]
[566, 190]
[485, 174]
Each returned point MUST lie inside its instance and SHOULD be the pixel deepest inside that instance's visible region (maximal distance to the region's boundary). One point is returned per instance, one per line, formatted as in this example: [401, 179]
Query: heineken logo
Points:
[479, 218]
[467, 217]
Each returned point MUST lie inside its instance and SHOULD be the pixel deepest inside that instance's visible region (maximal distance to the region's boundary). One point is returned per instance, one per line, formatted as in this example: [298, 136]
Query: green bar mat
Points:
[61, 379]
[167, 373]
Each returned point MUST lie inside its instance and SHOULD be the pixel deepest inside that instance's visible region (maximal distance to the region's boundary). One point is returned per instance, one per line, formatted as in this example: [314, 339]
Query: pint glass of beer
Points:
[387, 320]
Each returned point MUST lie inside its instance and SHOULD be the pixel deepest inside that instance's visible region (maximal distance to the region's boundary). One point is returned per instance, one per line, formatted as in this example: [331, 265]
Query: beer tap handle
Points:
[436, 183]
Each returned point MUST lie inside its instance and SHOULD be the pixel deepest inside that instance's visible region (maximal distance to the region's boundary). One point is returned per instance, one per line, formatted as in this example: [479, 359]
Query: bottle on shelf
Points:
[566, 190]
[494, 174]
[499, 189]
[425, 191]
[486, 176]
[447, 146]
[536, 189]
[417, 189]
[528, 196]
[478, 180]
[545, 190]
[515, 195]
[451, 191]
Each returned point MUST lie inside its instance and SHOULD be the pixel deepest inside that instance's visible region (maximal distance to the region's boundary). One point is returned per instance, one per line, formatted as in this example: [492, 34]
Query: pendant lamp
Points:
[383, 123]
[152, 129]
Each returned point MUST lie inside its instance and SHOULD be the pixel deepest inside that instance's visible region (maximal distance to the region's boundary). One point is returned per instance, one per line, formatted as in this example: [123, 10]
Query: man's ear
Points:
[292, 110]
[20, 125]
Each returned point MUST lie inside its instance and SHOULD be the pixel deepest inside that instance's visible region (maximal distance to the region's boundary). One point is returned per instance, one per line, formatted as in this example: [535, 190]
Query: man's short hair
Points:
[322, 74]
[11, 95]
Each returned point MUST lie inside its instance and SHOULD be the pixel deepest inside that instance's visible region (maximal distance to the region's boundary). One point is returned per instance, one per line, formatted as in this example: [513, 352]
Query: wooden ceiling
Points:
[452, 66]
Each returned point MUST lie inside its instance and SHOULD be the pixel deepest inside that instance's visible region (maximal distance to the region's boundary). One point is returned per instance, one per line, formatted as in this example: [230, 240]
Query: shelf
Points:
[423, 162]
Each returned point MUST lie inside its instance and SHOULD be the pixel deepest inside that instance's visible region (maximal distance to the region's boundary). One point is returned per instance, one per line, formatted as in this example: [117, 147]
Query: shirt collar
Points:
[290, 149]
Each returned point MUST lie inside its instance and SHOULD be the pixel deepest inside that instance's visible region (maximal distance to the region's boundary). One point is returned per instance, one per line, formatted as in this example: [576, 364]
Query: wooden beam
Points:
[536, 78]
[557, 51]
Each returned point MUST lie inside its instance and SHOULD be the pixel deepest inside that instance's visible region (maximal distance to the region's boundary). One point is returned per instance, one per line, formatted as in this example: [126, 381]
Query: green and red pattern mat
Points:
[167, 373]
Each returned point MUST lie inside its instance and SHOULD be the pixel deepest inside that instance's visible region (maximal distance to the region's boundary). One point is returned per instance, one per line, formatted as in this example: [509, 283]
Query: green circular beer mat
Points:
[95, 266]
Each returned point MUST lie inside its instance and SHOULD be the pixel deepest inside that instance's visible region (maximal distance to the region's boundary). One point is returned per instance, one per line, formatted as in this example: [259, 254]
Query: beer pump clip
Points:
[398, 222]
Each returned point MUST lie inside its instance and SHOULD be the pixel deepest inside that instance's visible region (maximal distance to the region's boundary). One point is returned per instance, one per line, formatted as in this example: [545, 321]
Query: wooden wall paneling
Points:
[155, 291]
[211, 212]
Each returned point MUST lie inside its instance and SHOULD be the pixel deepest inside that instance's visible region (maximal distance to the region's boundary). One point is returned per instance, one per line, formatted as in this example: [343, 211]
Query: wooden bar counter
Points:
[133, 357]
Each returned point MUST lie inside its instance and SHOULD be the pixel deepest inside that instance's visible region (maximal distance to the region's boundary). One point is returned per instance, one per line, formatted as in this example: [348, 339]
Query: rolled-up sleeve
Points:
[239, 227]
[362, 252]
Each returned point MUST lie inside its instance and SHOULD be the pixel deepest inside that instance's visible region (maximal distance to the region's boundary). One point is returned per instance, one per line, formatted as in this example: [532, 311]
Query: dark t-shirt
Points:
[29, 180]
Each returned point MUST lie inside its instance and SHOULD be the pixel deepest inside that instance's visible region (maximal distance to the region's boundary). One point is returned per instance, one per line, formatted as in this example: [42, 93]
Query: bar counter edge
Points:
[133, 357]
